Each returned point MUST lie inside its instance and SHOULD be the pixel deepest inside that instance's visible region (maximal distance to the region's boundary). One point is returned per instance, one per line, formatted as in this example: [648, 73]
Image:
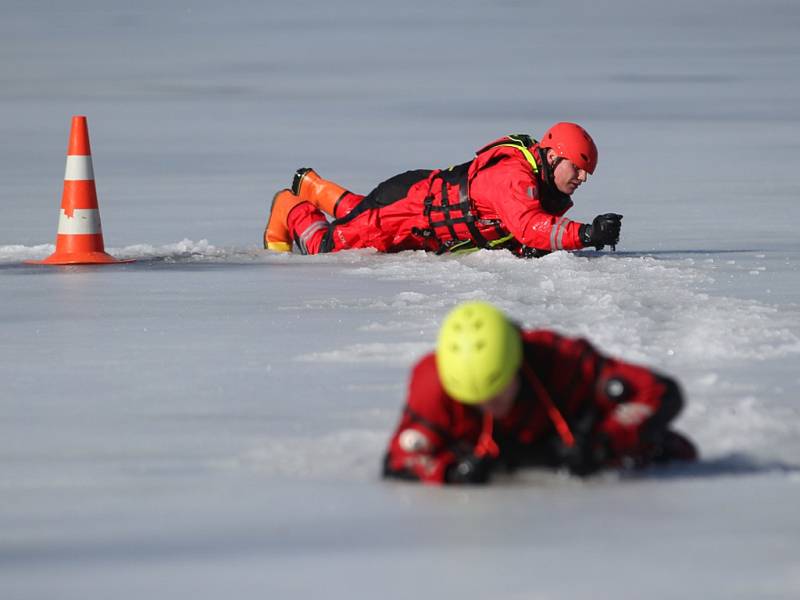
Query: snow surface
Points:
[209, 421]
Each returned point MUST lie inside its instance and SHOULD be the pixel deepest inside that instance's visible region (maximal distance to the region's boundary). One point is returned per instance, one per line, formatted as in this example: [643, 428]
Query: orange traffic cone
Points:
[79, 239]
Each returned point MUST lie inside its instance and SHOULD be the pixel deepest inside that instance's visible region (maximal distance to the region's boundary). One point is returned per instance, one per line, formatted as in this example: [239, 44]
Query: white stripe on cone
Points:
[82, 221]
[79, 168]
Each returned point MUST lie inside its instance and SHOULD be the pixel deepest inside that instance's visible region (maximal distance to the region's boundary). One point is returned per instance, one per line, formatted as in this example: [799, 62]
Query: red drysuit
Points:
[502, 198]
[572, 400]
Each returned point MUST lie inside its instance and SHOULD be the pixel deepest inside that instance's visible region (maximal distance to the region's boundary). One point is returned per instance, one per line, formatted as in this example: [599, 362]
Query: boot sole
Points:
[275, 246]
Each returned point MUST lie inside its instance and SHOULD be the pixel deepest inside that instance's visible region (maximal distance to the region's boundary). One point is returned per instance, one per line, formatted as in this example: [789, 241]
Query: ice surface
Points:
[209, 420]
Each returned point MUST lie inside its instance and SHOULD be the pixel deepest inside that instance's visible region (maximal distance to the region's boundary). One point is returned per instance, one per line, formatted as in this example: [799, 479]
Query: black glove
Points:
[470, 469]
[603, 230]
[587, 456]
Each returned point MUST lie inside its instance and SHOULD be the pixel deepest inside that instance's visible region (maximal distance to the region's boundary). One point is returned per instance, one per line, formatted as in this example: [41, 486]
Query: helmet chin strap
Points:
[548, 171]
[548, 174]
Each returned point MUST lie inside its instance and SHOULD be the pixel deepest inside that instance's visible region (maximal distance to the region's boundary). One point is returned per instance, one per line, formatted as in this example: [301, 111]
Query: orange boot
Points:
[276, 235]
[323, 194]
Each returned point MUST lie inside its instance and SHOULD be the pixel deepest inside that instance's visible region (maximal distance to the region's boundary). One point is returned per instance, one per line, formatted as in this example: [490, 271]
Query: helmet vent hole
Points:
[480, 345]
[584, 157]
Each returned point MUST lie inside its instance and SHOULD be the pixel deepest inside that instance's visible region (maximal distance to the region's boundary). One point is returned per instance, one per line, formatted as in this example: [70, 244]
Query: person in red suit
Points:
[495, 397]
[512, 195]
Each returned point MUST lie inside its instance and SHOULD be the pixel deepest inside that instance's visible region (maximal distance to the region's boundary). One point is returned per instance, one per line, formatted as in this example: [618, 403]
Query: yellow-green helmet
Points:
[478, 352]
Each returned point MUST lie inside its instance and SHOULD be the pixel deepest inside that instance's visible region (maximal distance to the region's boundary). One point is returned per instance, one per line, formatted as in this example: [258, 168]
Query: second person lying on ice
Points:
[512, 195]
[494, 397]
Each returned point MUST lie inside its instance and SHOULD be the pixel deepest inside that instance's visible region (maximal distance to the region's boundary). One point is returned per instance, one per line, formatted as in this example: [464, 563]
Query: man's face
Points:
[566, 175]
[500, 405]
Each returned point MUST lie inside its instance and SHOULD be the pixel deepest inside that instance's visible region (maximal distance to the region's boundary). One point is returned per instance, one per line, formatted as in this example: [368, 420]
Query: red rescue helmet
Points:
[571, 141]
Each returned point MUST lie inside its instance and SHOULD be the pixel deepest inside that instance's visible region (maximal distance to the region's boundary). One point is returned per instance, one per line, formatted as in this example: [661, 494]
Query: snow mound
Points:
[183, 251]
[644, 308]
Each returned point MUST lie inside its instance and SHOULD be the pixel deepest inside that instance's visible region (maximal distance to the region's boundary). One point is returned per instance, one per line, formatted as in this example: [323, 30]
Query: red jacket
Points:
[503, 187]
[510, 191]
[570, 390]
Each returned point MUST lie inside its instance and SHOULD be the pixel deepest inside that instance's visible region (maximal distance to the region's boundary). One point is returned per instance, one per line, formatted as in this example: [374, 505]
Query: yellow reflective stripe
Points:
[469, 246]
[465, 250]
[499, 241]
[462, 247]
[527, 153]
